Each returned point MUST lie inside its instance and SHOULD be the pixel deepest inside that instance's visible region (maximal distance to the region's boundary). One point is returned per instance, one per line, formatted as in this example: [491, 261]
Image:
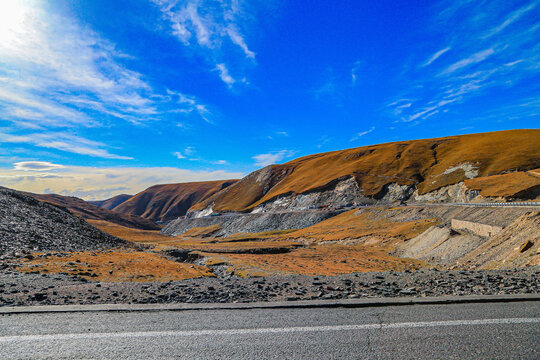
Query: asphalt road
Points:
[460, 331]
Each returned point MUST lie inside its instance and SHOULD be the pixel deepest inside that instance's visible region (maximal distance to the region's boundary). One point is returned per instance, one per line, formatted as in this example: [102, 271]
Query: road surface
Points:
[460, 331]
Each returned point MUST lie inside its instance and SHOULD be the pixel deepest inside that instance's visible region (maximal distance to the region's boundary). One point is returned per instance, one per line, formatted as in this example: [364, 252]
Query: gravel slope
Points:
[27, 224]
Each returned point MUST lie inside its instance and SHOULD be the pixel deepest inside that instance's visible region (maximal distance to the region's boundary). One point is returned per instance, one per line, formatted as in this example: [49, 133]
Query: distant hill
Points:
[32, 225]
[112, 202]
[87, 210]
[416, 167]
[168, 202]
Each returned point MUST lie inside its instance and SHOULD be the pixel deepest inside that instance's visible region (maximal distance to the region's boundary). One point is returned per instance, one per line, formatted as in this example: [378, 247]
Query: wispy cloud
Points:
[354, 72]
[56, 74]
[215, 28]
[62, 141]
[513, 17]
[278, 134]
[179, 155]
[190, 153]
[435, 56]
[272, 157]
[36, 166]
[474, 61]
[362, 133]
[96, 183]
[224, 74]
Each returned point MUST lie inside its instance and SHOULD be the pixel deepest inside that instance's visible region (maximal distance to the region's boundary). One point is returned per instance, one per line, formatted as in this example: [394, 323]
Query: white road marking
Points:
[184, 333]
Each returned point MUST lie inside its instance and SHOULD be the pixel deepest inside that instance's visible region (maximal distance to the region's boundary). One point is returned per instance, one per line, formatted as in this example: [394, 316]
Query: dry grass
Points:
[421, 161]
[202, 231]
[328, 259]
[355, 224]
[313, 258]
[130, 234]
[507, 185]
[116, 266]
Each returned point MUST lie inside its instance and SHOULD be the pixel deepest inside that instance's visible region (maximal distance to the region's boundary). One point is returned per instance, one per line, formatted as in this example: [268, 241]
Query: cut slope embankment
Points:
[397, 170]
[466, 237]
[33, 225]
[170, 201]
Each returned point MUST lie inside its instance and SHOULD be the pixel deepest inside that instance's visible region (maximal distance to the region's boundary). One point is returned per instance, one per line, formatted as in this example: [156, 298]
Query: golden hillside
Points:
[429, 164]
[169, 201]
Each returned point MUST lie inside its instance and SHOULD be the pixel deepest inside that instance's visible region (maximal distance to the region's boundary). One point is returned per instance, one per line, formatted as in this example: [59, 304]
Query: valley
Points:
[385, 220]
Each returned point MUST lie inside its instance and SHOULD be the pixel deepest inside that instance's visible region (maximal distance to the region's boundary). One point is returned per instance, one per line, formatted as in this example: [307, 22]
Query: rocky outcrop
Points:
[476, 228]
[250, 223]
[27, 224]
[343, 193]
[452, 193]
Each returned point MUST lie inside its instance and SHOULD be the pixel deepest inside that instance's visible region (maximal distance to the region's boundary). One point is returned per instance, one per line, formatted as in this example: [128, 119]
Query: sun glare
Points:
[13, 15]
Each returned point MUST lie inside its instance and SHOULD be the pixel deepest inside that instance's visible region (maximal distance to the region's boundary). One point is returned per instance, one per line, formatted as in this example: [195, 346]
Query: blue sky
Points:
[102, 97]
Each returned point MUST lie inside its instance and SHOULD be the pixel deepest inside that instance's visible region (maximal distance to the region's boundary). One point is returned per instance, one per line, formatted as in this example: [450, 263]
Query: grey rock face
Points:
[27, 224]
[344, 193]
[235, 223]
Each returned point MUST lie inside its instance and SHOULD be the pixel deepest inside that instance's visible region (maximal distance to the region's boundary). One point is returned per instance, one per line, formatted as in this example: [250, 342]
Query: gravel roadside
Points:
[17, 289]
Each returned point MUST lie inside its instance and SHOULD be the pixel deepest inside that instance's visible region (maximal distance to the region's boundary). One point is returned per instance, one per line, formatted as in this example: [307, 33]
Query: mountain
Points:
[112, 202]
[32, 225]
[86, 210]
[170, 201]
[500, 164]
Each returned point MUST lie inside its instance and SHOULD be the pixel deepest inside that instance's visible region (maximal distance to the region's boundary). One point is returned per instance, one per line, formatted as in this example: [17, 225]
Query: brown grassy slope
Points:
[167, 202]
[356, 224]
[516, 184]
[86, 210]
[421, 162]
[116, 266]
[112, 202]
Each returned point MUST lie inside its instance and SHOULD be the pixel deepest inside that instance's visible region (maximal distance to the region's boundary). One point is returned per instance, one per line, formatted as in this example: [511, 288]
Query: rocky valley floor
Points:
[382, 251]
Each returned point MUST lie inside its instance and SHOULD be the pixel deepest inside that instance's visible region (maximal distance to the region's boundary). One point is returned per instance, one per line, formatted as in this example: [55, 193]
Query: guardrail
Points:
[489, 204]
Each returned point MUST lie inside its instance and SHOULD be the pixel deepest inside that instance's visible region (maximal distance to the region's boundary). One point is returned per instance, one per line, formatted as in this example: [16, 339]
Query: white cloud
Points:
[36, 166]
[473, 59]
[56, 74]
[436, 56]
[515, 16]
[224, 74]
[272, 157]
[64, 142]
[278, 134]
[190, 150]
[179, 155]
[96, 183]
[214, 27]
[477, 62]
[360, 134]
[354, 72]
